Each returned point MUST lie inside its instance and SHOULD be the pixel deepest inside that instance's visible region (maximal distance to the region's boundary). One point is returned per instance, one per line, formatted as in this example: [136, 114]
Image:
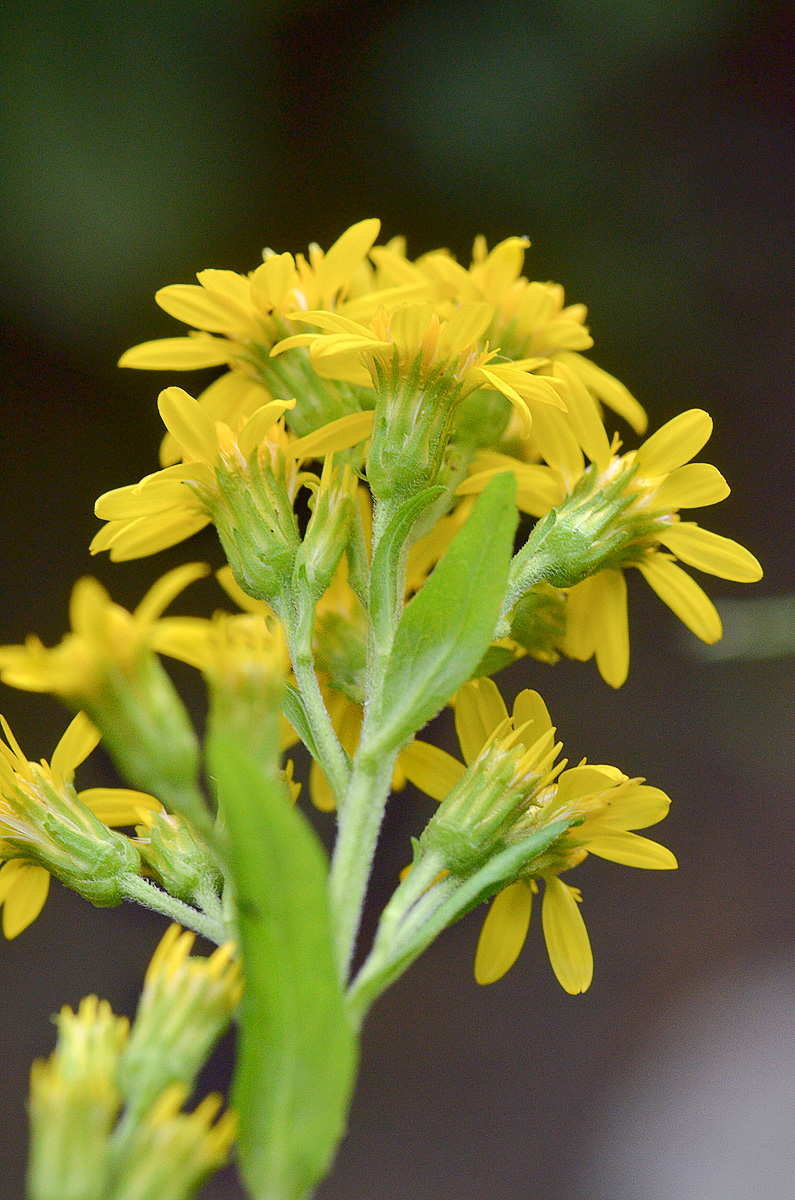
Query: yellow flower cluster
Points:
[609, 805]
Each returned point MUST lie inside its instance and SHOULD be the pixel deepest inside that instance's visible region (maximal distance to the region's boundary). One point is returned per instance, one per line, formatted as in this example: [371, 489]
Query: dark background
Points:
[647, 150]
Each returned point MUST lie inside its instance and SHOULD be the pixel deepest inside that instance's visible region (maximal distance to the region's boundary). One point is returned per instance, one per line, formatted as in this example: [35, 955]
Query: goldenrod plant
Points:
[379, 425]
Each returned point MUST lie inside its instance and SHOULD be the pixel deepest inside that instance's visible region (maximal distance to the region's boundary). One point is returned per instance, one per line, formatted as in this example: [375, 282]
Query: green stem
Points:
[359, 824]
[331, 756]
[138, 889]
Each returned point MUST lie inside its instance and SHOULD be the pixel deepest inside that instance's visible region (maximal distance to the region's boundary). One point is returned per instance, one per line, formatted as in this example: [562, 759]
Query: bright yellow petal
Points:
[692, 486]
[177, 354]
[621, 846]
[118, 806]
[539, 488]
[148, 535]
[342, 259]
[683, 596]
[675, 443]
[528, 706]
[337, 435]
[504, 932]
[466, 326]
[204, 309]
[584, 417]
[479, 709]
[581, 625]
[557, 443]
[579, 782]
[271, 282]
[612, 638]
[711, 553]
[167, 588]
[230, 284]
[568, 945]
[80, 737]
[186, 419]
[430, 768]
[636, 807]
[25, 896]
[607, 388]
[260, 423]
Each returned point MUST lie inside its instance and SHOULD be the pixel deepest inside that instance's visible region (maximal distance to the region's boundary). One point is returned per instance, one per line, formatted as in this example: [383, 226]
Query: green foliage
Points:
[446, 628]
[297, 1053]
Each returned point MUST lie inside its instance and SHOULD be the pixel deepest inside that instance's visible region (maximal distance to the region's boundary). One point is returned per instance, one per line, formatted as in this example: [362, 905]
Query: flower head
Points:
[47, 827]
[660, 479]
[512, 787]
[105, 639]
[247, 312]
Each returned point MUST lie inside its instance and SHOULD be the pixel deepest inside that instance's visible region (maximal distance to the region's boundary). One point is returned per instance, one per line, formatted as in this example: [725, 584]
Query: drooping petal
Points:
[23, 890]
[584, 417]
[631, 850]
[683, 596]
[711, 553]
[674, 443]
[504, 932]
[430, 768]
[612, 639]
[607, 388]
[568, 945]
[557, 443]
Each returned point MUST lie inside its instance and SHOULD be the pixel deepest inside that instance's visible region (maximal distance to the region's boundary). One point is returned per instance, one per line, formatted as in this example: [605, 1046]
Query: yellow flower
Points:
[105, 639]
[530, 319]
[34, 799]
[171, 505]
[248, 311]
[411, 340]
[662, 479]
[609, 804]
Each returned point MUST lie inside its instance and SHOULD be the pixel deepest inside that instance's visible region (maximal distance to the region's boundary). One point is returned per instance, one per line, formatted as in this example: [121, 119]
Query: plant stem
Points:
[331, 756]
[150, 896]
[359, 823]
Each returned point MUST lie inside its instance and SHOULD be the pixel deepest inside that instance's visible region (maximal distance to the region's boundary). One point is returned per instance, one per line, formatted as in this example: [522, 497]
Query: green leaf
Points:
[447, 627]
[297, 1053]
[295, 711]
[385, 596]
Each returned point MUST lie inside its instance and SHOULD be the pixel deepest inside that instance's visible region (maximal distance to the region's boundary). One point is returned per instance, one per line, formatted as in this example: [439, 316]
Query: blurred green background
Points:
[647, 150]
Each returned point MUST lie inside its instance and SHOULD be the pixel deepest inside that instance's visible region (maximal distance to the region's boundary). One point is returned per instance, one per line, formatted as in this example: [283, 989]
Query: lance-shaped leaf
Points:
[447, 627]
[297, 1053]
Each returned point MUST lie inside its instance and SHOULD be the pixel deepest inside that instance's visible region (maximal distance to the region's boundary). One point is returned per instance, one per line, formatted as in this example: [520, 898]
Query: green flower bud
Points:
[186, 1004]
[74, 1101]
[43, 820]
[176, 859]
[172, 1152]
[327, 533]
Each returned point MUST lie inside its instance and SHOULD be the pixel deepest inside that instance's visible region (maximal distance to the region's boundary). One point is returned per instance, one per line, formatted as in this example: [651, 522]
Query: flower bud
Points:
[74, 1101]
[186, 1004]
